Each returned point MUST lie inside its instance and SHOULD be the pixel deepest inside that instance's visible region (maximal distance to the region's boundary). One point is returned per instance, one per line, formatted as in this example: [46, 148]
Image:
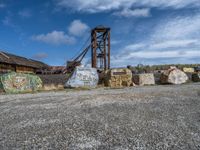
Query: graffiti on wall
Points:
[18, 82]
[83, 77]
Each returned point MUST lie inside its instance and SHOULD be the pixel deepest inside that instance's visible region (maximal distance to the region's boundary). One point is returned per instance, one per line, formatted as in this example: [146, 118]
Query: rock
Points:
[173, 76]
[83, 78]
[118, 78]
[157, 76]
[189, 74]
[189, 70]
[144, 79]
[196, 77]
[20, 83]
[102, 76]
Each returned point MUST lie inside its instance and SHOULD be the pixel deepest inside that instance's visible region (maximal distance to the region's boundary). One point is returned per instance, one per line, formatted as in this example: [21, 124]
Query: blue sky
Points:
[142, 31]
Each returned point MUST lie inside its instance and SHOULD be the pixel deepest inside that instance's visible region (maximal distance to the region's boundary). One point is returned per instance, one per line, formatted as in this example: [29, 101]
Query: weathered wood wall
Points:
[4, 68]
[22, 69]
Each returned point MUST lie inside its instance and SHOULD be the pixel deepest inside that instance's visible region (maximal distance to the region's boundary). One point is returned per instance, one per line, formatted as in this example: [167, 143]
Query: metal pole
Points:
[108, 55]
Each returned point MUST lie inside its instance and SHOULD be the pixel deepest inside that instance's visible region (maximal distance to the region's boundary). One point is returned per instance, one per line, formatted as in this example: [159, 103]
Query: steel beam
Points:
[100, 48]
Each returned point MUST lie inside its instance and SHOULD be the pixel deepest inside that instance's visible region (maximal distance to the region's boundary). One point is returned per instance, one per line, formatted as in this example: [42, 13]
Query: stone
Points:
[173, 76]
[144, 79]
[20, 83]
[118, 78]
[83, 78]
[188, 70]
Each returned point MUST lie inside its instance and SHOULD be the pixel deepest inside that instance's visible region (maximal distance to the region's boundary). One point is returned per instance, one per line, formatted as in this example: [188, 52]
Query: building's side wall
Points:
[5, 68]
[22, 69]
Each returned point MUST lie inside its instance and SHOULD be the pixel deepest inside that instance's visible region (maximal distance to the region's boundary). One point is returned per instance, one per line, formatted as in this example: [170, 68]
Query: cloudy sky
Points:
[142, 31]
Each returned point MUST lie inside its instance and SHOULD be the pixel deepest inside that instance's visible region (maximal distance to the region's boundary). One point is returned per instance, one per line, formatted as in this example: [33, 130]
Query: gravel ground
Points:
[152, 117]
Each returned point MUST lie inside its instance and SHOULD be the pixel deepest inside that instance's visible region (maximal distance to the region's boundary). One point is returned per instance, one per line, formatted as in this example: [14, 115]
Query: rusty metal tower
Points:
[100, 48]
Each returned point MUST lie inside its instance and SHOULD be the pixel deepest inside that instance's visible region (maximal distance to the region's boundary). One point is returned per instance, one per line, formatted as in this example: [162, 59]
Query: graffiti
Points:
[20, 83]
[83, 77]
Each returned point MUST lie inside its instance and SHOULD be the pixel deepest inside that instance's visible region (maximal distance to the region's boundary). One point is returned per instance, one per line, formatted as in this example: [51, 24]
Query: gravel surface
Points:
[152, 117]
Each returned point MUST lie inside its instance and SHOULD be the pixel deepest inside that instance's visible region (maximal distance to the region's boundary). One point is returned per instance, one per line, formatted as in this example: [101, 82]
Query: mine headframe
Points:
[100, 48]
[71, 65]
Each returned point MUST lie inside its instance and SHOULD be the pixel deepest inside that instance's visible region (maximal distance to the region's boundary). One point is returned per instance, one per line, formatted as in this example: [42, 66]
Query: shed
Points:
[10, 62]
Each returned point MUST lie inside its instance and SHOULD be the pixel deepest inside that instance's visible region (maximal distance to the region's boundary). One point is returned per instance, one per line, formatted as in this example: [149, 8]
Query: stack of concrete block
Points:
[173, 76]
[196, 77]
[144, 79]
[118, 77]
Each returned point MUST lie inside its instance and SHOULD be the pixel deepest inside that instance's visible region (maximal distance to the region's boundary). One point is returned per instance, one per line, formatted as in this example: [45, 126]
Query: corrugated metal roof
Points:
[18, 60]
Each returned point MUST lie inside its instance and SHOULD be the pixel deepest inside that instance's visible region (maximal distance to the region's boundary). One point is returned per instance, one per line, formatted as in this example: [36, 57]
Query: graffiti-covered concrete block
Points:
[20, 83]
[83, 77]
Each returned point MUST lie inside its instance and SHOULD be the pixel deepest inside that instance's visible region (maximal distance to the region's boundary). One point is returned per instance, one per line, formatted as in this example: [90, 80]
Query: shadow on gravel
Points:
[198, 93]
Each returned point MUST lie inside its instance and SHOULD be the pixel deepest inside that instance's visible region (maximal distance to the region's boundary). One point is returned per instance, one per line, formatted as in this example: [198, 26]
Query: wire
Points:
[81, 49]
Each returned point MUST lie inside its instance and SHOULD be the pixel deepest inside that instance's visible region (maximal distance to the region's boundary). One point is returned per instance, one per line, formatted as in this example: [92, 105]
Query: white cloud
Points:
[40, 56]
[156, 57]
[144, 12]
[26, 13]
[162, 45]
[2, 5]
[77, 28]
[175, 44]
[115, 42]
[162, 54]
[134, 46]
[55, 38]
[94, 6]
[165, 4]
[174, 38]
[7, 21]
[89, 5]
[148, 51]
[179, 27]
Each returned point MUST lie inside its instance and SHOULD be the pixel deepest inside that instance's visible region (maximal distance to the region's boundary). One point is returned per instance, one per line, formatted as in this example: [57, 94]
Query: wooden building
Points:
[10, 62]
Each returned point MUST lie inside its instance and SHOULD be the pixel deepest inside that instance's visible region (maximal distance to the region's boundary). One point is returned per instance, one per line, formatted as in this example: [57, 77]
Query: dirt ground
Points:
[151, 117]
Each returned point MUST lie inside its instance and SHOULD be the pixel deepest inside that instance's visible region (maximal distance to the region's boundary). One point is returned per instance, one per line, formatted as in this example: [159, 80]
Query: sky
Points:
[142, 31]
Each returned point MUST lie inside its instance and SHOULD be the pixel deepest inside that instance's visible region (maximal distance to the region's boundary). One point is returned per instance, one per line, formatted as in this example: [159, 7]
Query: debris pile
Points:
[83, 77]
[144, 79]
[53, 81]
[118, 78]
[196, 77]
[20, 83]
[173, 76]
